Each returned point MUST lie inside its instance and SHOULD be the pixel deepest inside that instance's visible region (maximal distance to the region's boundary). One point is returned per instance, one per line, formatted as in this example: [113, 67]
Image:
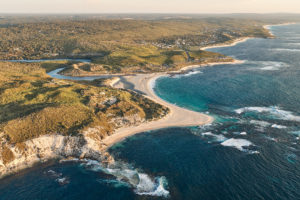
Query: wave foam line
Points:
[272, 110]
[239, 144]
[142, 183]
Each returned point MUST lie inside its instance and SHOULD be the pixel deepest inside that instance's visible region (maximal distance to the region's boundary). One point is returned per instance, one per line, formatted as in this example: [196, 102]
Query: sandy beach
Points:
[178, 117]
[191, 67]
[235, 42]
[143, 84]
[269, 26]
[244, 39]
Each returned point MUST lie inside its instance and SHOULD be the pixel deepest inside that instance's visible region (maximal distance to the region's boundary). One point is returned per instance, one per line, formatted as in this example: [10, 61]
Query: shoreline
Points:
[227, 44]
[144, 84]
[177, 117]
[268, 26]
[187, 67]
[191, 67]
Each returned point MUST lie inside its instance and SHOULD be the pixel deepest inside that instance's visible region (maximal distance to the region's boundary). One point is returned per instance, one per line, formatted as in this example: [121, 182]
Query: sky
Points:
[149, 6]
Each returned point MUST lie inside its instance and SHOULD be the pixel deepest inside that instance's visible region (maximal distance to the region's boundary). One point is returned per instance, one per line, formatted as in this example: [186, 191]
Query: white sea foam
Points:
[148, 187]
[273, 111]
[219, 138]
[243, 133]
[260, 123]
[142, 183]
[292, 39]
[152, 83]
[69, 160]
[205, 126]
[293, 43]
[291, 50]
[296, 133]
[115, 183]
[190, 73]
[271, 66]
[271, 138]
[278, 126]
[268, 65]
[257, 109]
[54, 173]
[63, 181]
[238, 144]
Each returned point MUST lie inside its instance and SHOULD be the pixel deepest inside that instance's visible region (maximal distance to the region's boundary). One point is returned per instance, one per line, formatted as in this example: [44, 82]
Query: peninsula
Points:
[45, 118]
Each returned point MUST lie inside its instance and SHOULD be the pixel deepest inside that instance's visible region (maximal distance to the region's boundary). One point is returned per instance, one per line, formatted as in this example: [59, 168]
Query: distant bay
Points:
[251, 151]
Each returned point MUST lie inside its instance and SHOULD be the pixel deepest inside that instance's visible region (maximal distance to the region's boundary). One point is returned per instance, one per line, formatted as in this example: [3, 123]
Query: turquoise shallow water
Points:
[252, 150]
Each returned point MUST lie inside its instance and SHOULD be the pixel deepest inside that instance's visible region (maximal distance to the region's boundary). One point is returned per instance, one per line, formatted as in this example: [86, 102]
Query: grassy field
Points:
[34, 104]
[141, 61]
[122, 45]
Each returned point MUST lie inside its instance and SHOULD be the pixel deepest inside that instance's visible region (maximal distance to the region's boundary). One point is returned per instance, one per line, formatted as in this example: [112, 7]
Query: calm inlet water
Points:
[251, 151]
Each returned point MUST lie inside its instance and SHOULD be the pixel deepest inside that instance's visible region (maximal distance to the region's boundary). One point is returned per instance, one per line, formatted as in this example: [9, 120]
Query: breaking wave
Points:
[278, 126]
[59, 178]
[260, 123]
[297, 134]
[274, 111]
[293, 43]
[190, 73]
[239, 144]
[218, 138]
[269, 65]
[264, 124]
[291, 50]
[125, 175]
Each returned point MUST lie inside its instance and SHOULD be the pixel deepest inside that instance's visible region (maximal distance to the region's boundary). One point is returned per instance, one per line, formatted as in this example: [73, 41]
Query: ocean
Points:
[251, 151]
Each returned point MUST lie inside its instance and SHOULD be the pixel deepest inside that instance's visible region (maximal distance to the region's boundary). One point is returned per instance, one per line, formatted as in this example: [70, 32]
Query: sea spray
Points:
[273, 111]
[218, 138]
[239, 144]
[126, 175]
[190, 73]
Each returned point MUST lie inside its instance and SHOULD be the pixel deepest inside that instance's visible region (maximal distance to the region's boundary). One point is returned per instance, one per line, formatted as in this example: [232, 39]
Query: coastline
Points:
[268, 26]
[183, 69]
[178, 116]
[143, 83]
[230, 44]
[244, 39]
[190, 67]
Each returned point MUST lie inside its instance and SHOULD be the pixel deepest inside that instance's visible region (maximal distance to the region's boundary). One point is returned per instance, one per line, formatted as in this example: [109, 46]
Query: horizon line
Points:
[145, 13]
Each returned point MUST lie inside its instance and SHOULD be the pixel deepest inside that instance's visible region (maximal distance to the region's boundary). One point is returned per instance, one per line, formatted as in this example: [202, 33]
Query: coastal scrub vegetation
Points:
[122, 45]
[33, 104]
[142, 62]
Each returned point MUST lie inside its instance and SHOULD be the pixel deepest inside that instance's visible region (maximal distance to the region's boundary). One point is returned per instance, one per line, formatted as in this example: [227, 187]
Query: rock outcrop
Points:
[55, 146]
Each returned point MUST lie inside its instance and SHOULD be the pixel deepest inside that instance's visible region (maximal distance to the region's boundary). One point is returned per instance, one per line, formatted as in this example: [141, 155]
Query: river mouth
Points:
[252, 150]
[55, 74]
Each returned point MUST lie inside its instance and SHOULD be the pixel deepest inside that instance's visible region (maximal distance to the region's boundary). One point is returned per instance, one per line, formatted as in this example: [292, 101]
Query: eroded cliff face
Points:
[43, 118]
[84, 145]
[47, 147]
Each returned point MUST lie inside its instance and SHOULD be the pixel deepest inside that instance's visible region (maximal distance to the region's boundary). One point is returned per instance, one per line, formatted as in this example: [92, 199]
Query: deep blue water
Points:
[251, 151]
